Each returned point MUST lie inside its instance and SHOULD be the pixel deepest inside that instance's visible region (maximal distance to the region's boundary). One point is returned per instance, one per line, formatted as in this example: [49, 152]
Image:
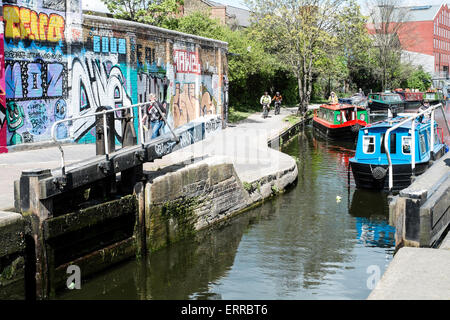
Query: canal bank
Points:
[301, 244]
[204, 184]
[421, 217]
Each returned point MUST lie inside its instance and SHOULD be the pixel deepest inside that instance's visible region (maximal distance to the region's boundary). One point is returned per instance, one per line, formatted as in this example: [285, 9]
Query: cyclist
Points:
[277, 98]
[265, 101]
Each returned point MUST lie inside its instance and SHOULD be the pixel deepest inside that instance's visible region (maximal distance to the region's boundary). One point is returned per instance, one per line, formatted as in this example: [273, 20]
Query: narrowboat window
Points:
[392, 143]
[406, 144]
[362, 117]
[369, 144]
[437, 139]
[422, 143]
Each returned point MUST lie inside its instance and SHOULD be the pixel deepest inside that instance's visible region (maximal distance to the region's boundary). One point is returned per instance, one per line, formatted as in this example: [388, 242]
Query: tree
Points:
[354, 45]
[388, 28]
[251, 69]
[418, 79]
[300, 31]
[154, 12]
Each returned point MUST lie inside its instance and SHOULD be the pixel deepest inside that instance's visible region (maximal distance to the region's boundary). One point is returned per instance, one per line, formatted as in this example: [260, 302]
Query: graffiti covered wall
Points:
[59, 64]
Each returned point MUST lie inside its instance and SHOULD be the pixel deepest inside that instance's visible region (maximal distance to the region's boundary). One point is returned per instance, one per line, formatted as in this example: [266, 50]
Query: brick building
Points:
[226, 14]
[425, 38]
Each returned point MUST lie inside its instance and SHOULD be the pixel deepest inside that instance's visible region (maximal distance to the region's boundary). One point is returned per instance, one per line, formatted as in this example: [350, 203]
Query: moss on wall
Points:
[171, 221]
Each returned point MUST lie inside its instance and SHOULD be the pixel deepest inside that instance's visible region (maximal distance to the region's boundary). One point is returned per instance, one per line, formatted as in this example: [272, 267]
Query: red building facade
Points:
[441, 40]
[425, 37]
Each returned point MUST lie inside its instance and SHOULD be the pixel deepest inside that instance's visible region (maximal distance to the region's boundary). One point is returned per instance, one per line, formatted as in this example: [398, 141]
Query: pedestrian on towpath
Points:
[333, 99]
[153, 117]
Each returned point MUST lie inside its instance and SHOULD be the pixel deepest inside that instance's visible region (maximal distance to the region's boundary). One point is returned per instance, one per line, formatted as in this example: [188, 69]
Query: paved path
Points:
[244, 144]
[416, 274]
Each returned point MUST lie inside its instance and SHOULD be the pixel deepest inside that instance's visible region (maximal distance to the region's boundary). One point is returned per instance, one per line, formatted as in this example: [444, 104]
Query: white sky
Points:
[98, 5]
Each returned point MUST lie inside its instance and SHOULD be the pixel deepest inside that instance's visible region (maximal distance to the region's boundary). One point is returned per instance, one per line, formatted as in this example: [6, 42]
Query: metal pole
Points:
[105, 129]
[432, 136]
[413, 146]
[165, 120]
[445, 118]
[141, 126]
[388, 154]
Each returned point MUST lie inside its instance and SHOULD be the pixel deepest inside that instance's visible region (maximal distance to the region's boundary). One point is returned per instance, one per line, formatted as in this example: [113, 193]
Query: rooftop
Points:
[422, 13]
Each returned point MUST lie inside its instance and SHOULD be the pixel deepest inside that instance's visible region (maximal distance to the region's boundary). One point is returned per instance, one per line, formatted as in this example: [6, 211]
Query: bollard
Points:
[99, 132]
[37, 210]
[128, 132]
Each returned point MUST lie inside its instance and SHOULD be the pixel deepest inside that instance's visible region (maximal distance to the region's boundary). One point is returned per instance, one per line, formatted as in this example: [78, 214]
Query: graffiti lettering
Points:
[212, 125]
[186, 62]
[96, 84]
[37, 74]
[109, 45]
[24, 23]
[37, 115]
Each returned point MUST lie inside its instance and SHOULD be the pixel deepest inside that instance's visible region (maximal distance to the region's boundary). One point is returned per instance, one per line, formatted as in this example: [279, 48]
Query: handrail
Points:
[103, 113]
[411, 118]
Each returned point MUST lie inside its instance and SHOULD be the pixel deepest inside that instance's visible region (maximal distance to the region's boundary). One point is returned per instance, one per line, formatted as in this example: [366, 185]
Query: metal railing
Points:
[105, 130]
[413, 127]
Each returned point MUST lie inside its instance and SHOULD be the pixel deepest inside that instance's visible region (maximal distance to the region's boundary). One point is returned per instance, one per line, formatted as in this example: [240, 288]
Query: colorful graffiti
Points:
[186, 62]
[43, 79]
[3, 135]
[96, 84]
[24, 23]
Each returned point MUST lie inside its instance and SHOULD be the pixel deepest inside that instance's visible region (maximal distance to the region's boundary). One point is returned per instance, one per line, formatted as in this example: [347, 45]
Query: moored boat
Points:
[412, 99]
[390, 151]
[384, 101]
[433, 96]
[340, 121]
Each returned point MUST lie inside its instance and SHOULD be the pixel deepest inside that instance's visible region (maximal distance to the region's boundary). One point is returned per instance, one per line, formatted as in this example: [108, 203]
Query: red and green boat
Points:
[340, 121]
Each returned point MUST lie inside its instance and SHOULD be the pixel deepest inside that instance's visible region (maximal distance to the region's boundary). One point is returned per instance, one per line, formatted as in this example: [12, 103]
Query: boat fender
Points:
[355, 127]
[378, 172]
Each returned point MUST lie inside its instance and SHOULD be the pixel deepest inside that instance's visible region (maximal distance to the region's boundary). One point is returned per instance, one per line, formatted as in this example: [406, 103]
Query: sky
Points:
[98, 5]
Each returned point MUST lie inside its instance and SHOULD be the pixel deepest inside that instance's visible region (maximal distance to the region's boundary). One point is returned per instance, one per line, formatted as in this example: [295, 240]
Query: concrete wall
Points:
[180, 203]
[12, 256]
[419, 59]
[58, 64]
[421, 212]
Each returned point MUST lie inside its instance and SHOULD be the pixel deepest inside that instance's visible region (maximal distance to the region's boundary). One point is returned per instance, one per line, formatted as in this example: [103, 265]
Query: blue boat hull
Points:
[367, 177]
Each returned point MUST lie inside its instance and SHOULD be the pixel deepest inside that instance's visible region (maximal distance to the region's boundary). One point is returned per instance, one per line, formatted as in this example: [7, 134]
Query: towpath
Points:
[245, 144]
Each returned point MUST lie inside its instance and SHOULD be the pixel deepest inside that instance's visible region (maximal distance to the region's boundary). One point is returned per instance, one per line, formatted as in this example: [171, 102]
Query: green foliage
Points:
[419, 79]
[154, 12]
[236, 116]
[251, 69]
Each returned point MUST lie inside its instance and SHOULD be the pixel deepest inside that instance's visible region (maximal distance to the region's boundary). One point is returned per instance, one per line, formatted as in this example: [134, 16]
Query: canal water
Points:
[321, 239]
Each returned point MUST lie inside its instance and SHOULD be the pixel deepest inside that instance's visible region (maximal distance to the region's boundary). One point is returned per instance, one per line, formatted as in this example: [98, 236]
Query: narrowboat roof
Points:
[341, 106]
[387, 123]
[385, 93]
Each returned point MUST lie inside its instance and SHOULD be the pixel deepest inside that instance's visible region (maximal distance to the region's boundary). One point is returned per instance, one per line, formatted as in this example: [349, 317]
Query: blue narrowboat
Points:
[370, 165]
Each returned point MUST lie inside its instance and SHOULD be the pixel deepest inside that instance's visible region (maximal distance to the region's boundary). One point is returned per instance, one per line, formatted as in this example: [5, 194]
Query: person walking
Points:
[333, 99]
[153, 116]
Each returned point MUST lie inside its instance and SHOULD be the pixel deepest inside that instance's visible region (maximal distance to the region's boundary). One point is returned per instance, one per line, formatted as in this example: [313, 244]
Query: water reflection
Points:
[304, 244]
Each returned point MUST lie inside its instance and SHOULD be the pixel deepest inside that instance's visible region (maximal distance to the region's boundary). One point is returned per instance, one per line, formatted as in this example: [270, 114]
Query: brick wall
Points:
[58, 64]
